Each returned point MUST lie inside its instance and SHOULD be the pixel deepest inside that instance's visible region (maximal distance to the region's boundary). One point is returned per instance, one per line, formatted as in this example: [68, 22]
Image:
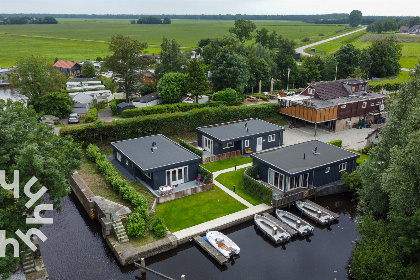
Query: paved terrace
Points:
[225, 221]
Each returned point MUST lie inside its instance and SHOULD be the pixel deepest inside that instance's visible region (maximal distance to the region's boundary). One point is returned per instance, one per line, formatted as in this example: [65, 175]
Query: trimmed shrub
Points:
[255, 188]
[91, 116]
[167, 124]
[337, 143]
[113, 105]
[135, 225]
[205, 174]
[190, 147]
[158, 227]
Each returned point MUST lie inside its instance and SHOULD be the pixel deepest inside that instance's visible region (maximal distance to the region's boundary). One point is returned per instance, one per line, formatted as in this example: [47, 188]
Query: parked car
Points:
[74, 118]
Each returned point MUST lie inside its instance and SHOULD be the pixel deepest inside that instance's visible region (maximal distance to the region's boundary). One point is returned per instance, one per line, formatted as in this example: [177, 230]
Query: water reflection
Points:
[75, 250]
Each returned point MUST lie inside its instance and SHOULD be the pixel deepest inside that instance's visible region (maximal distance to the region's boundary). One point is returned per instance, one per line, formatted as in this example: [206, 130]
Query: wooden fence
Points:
[221, 156]
[187, 192]
[288, 199]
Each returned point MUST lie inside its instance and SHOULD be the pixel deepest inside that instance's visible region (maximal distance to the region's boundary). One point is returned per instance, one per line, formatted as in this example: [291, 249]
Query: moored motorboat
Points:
[298, 224]
[222, 243]
[276, 233]
[316, 213]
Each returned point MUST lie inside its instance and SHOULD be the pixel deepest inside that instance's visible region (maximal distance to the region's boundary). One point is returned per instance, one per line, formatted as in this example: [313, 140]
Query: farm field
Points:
[410, 50]
[78, 39]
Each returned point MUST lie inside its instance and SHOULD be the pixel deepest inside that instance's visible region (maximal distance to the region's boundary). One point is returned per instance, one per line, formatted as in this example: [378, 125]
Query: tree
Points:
[109, 84]
[171, 58]
[228, 96]
[171, 87]
[125, 63]
[167, 20]
[260, 71]
[196, 81]
[313, 66]
[133, 21]
[226, 43]
[31, 148]
[35, 76]
[262, 36]
[348, 58]
[243, 29]
[385, 55]
[58, 104]
[147, 88]
[88, 70]
[355, 18]
[229, 70]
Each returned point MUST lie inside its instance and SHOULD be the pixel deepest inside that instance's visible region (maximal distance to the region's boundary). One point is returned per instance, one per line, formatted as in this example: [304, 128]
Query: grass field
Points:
[78, 39]
[410, 51]
[196, 209]
[226, 163]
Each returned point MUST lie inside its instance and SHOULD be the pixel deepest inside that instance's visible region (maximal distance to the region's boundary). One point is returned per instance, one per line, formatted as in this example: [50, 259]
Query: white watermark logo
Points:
[37, 219]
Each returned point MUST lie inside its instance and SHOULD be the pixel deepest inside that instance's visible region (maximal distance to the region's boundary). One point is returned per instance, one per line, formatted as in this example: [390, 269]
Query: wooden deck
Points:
[335, 215]
[279, 223]
[210, 249]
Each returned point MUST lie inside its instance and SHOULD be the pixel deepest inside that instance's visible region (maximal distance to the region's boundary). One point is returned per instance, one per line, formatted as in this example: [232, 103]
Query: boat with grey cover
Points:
[315, 212]
[273, 231]
[298, 224]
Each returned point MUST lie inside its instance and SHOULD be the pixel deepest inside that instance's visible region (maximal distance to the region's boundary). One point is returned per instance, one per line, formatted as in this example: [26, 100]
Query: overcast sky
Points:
[267, 7]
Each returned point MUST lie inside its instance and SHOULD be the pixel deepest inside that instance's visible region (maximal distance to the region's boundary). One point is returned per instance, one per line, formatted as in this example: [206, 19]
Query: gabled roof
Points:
[300, 158]
[226, 132]
[66, 64]
[414, 29]
[147, 98]
[83, 98]
[333, 89]
[167, 154]
[125, 104]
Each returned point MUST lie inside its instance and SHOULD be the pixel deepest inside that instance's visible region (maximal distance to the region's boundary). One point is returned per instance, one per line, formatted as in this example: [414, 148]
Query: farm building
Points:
[157, 160]
[246, 136]
[69, 68]
[311, 163]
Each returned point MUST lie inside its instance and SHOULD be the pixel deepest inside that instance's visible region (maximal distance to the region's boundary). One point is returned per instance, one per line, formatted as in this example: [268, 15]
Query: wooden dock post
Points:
[142, 266]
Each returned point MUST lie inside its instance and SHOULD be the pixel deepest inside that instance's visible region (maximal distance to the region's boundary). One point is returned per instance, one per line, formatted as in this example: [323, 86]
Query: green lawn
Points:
[226, 163]
[78, 39]
[362, 157]
[402, 77]
[229, 179]
[198, 208]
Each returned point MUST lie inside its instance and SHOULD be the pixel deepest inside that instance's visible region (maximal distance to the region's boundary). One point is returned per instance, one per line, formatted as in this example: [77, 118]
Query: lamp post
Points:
[288, 75]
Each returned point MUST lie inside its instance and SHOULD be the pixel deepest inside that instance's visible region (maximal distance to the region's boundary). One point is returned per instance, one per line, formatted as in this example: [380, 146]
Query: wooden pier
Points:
[335, 215]
[280, 224]
[210, 249]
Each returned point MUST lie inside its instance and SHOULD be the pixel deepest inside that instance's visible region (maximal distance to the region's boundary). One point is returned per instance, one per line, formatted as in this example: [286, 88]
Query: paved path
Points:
[352, 138]
[105, 115]
[301, 50]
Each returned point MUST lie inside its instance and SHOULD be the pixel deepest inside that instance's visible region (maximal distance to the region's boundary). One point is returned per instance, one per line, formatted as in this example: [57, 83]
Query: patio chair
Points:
[198, 179]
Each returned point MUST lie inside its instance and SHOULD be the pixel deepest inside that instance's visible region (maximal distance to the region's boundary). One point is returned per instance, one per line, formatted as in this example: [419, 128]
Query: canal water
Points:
[75, 249]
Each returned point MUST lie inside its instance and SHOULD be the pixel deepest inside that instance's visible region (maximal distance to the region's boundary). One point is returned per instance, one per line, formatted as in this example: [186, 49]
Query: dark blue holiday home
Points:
[248, 136]
[157, 160]
[312, 163]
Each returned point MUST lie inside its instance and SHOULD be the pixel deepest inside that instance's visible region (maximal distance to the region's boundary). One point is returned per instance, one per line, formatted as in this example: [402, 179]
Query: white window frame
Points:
[271, 137]
[372, 104]
[148, 175]
[228, 145]
[246, 143]
[342, 166]
[119, 156]
[343, 106]
[364, 105]
[327, 170]
[311, 91]
[126, 161]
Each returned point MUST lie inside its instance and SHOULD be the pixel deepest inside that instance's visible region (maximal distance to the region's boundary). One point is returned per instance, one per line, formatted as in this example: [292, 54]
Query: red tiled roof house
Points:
[69, 68]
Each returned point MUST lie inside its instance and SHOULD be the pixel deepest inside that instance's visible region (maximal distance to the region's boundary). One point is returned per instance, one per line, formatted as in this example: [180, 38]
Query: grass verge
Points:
[227, 163]
[229, 179]
[196, 209]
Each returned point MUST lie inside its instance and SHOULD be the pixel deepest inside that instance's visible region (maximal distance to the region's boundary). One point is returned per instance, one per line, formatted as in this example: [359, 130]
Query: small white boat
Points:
[293, 221]
[315, 213]
[276, 233]
[222, 243]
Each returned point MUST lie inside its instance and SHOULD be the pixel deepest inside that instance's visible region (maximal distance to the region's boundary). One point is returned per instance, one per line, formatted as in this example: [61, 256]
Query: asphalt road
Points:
[301, 50]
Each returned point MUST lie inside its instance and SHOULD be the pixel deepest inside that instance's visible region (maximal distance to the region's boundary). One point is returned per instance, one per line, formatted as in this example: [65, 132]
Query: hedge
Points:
[169, 108]
[190, 147]
[205, 174]
[387, 86]
[167, 124]
[255, 188]
[91, 116]
[338, 143]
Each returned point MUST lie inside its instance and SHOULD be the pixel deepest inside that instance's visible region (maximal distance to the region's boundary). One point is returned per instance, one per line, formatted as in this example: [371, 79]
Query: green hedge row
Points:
[205, 174]
[91, 116]
[254, 187]
[113, 105]
[135, 225]
[168, 108]
[190, 147]
[337, 143]
[386, 86]
[167, 124]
